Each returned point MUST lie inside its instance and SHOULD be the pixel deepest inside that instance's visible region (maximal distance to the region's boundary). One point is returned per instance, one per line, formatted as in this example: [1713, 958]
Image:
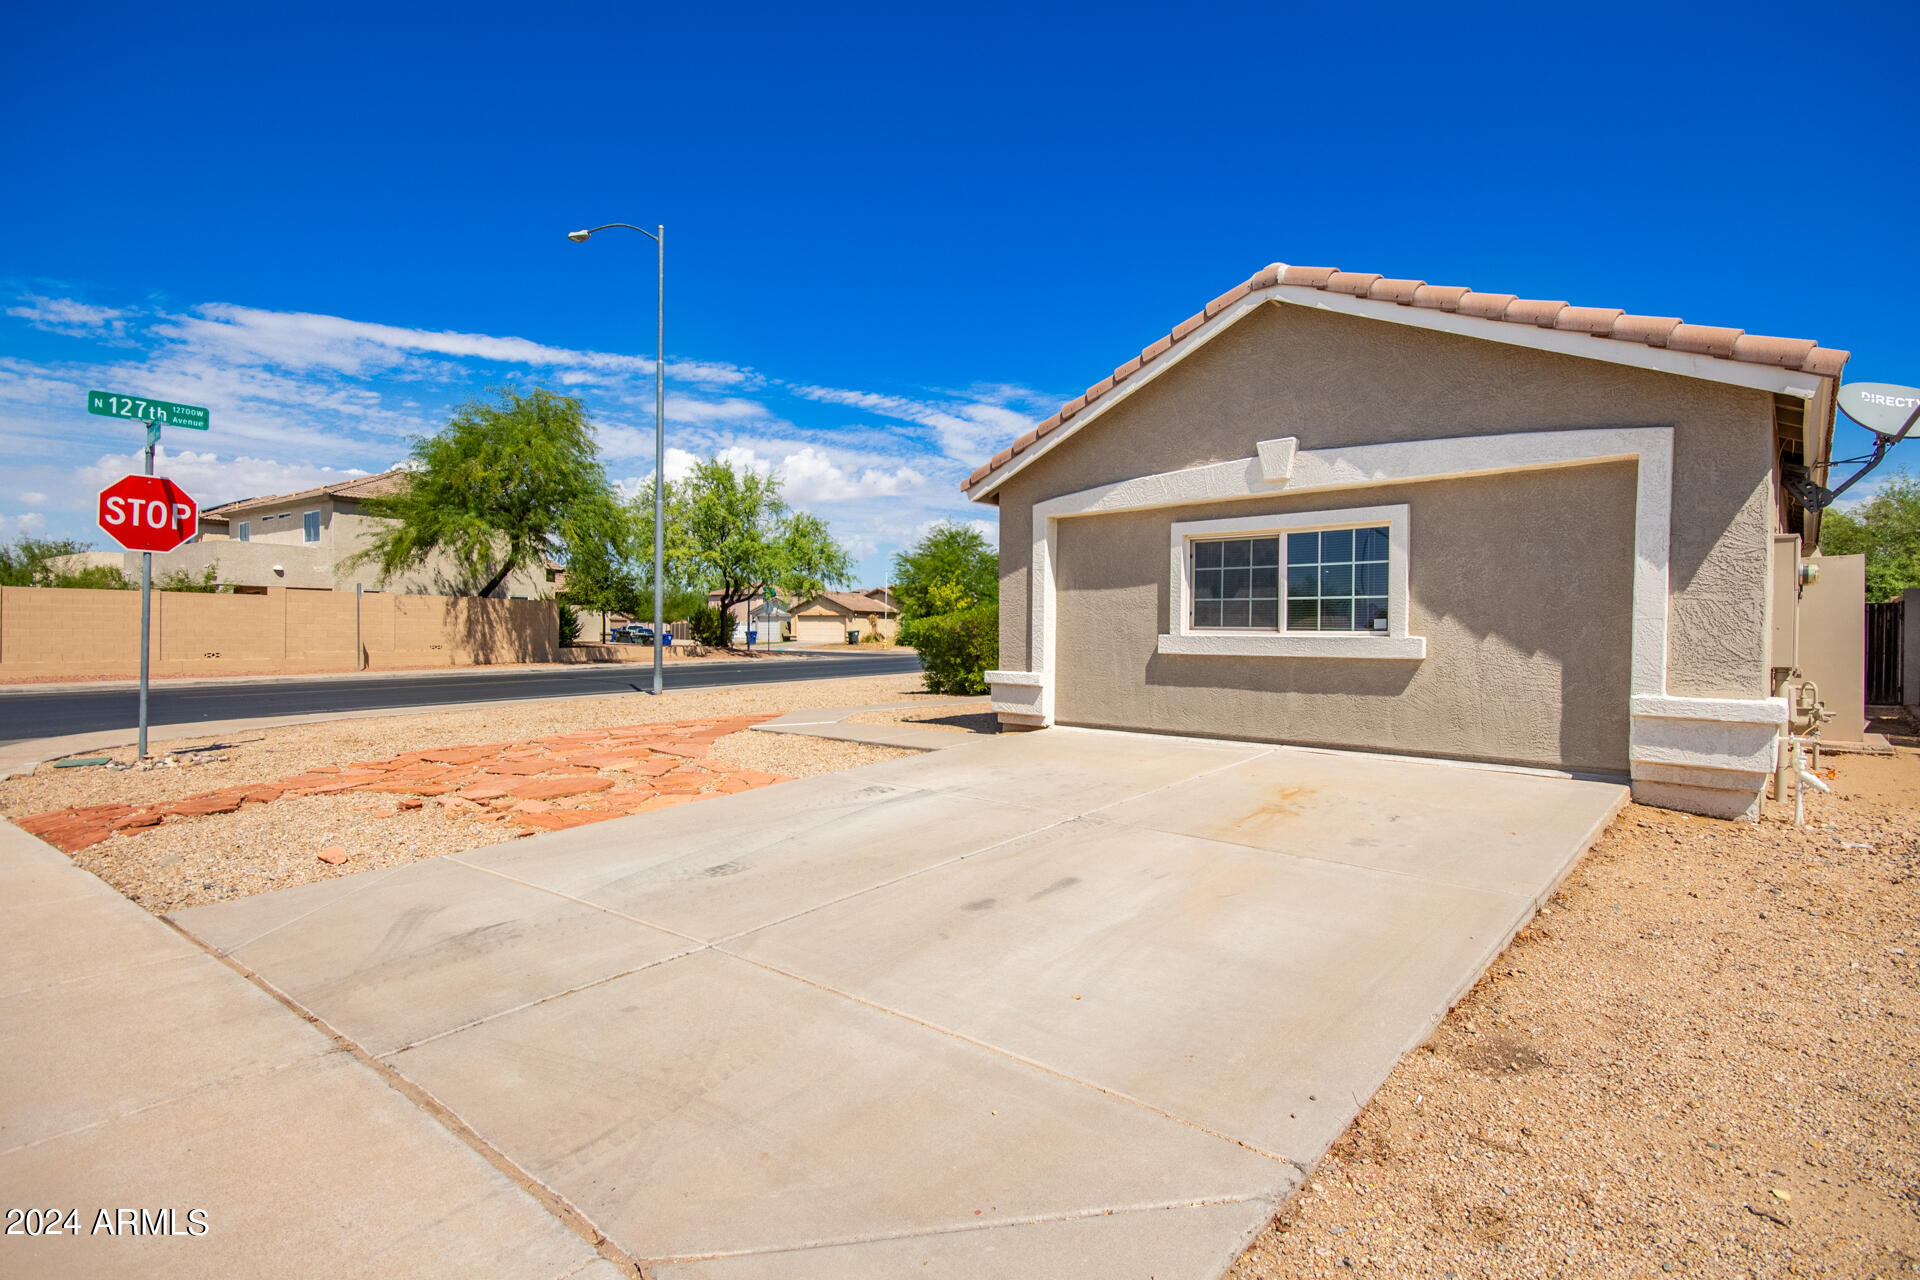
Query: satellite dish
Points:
[1883, 408]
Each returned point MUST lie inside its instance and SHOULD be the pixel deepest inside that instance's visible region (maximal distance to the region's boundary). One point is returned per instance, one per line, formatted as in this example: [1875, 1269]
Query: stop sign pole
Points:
[120, 508]
[146, 606]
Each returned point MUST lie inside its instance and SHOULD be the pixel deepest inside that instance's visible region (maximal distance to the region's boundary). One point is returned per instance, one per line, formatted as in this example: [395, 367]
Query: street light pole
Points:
[659, 237]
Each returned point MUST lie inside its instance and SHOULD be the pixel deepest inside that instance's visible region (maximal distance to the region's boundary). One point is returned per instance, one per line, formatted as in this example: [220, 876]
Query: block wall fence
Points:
[56, 633]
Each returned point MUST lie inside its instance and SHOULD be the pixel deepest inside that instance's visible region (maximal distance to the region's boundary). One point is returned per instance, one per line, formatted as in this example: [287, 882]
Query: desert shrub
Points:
[569, 623]
[958, 649]
[710, 627]
[208, 580]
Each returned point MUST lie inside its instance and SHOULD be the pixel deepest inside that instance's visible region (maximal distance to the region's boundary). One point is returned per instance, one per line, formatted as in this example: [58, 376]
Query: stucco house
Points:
[828, 618]
[306, 539]
[1337, 509]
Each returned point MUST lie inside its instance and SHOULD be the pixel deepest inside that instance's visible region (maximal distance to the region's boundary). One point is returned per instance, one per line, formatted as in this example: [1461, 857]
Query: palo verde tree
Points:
[951, 568]
[600, 551]
[732, 531]
[493, 491]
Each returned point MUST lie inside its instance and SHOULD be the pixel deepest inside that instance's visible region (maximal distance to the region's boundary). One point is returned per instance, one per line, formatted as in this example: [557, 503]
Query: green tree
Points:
[206, 581]
[601, 575]
[494, 490]
[1886, 529]
[733, 532]
[28, 562]
[950, 569]
[810, 560]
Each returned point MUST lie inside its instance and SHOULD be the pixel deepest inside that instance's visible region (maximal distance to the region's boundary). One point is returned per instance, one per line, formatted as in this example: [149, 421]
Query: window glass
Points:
[311, 526]
[1337, 580]
[1236, 583]
[244, 531]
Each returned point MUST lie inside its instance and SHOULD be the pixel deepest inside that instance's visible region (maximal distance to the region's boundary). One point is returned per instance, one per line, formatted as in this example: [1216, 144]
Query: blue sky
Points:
[897, 234]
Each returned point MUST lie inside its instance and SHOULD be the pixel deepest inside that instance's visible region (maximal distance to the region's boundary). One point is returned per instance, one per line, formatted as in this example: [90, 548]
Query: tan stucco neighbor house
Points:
[830, 616]
[308, 539]
[1337, 509]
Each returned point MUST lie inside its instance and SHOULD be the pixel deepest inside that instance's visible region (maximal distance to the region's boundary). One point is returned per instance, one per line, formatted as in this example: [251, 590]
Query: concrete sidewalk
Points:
[1067, 1004]
[140, 1073]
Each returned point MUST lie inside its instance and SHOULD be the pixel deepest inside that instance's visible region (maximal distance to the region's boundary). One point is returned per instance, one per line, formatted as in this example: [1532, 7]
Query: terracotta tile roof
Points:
[375, 486]
[1670, 332]
[851, 602]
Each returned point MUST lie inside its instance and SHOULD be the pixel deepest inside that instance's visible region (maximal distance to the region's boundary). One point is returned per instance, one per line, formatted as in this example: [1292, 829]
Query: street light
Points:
[659, 238]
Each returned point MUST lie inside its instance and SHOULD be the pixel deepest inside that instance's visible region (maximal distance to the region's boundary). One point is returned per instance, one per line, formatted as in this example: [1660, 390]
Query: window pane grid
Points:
[1236, 583]
[1337, 580]
[1334, 579]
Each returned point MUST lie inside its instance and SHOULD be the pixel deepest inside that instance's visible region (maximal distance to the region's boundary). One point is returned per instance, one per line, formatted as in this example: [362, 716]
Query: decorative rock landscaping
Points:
[540, 784]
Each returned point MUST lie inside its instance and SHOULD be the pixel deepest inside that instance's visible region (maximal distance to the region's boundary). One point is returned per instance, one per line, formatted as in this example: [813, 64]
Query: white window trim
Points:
[304, 540]
[245, 531]
[1184, 638]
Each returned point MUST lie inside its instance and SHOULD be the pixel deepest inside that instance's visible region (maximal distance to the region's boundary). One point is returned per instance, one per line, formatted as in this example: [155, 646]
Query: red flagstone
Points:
[554, 788]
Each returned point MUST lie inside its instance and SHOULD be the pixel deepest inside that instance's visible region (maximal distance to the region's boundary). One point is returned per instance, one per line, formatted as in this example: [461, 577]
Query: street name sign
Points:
[148, 513]
[111, 404]
[1880, 407]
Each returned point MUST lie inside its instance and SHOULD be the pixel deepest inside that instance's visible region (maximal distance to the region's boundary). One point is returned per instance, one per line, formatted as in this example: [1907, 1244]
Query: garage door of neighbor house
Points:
[820, 630]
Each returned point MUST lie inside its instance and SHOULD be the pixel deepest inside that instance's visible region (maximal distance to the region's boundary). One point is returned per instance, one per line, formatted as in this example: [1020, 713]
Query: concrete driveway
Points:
[1060, 1004]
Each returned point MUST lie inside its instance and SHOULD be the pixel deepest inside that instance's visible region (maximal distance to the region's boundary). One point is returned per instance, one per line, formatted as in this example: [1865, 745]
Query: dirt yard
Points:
[263, 843]
[1699, 1060]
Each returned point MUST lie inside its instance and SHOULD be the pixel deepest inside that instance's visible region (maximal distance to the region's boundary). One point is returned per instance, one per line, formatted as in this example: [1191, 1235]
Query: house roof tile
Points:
[1611, 323]
[375, 486]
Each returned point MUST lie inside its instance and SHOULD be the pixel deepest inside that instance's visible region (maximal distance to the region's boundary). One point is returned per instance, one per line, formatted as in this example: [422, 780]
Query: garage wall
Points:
[1521, 583]
[1334, 380]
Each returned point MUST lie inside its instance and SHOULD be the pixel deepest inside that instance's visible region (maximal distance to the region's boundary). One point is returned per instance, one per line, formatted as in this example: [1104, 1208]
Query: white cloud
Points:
[64, 315]
[358, 348]
[966, 429]
[212, 479]
[810, 475]
[34, 499]
[31, 522]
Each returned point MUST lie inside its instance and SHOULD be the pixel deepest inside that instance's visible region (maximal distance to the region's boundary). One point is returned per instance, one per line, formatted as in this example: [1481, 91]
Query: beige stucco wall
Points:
[1833, 643]
[1333, 380]
[51, 633]
[1521, 584]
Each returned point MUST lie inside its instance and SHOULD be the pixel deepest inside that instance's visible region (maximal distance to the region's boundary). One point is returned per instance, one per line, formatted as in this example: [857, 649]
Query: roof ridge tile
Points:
[1611, 323]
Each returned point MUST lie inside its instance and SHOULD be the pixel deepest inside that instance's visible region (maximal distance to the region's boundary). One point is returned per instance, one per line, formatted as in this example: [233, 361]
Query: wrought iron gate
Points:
[1885, 679]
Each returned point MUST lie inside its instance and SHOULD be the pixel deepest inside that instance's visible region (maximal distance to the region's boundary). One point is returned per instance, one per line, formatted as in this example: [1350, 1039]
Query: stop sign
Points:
[148, 513]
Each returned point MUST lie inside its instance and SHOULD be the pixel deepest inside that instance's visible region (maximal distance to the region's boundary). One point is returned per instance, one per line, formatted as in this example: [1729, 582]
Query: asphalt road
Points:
[27, 715]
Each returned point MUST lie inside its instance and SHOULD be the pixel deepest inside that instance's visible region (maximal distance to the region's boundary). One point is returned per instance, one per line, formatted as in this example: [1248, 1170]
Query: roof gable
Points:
[1794, 366]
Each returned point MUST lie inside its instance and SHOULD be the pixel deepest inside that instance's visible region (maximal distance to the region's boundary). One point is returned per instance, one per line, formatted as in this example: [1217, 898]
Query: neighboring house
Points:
[828, 618]
[770, 622]
[884, 595]
[1349, 511]
[305, 540]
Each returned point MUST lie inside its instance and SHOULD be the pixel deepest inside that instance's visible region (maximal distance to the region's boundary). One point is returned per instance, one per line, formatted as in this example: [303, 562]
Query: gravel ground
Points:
[259, 847]
[259, 754]
[1700, 1059]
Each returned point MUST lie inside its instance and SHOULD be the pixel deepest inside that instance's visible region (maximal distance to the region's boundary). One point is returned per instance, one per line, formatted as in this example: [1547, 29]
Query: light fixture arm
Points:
[659, 238]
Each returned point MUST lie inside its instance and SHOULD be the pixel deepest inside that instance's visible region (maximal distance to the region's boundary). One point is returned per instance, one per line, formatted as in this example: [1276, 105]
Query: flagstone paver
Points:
[543, 784]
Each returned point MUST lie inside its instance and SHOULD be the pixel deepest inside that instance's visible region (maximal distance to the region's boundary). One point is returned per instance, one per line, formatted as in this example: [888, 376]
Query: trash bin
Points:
[853, 637]
[752, 635]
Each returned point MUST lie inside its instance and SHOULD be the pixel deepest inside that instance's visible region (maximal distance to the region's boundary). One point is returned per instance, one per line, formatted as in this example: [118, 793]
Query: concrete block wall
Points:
[48, 633]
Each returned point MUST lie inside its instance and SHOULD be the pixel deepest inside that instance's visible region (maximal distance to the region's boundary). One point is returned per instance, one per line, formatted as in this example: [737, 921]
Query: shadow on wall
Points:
[497, 631]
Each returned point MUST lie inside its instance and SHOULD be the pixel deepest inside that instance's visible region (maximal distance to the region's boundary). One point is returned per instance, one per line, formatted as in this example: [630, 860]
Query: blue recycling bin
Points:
[752, 635]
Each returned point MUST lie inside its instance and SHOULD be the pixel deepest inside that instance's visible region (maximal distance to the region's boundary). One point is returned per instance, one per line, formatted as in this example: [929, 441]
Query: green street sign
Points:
[769, 591]
[138, 409]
